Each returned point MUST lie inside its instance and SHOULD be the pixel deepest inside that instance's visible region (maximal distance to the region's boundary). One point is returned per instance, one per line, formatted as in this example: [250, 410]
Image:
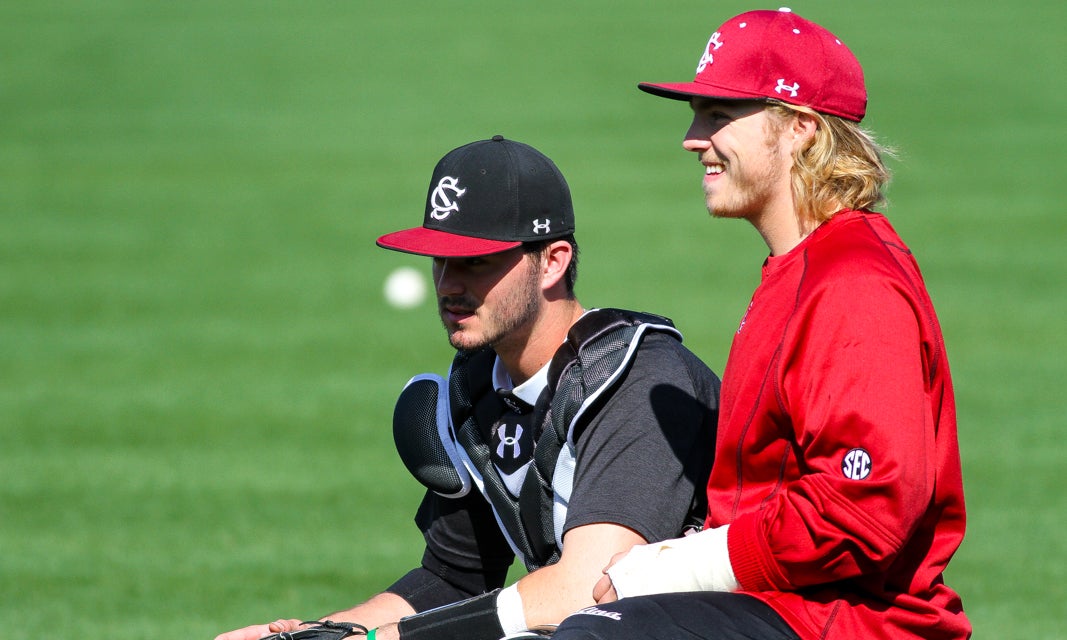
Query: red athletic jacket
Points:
[837, 465]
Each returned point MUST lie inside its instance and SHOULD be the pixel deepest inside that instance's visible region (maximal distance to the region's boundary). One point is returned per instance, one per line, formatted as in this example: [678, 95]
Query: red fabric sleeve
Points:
[851, 379]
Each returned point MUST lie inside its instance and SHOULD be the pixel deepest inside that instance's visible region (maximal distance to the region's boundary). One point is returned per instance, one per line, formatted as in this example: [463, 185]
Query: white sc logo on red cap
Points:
[709, 56]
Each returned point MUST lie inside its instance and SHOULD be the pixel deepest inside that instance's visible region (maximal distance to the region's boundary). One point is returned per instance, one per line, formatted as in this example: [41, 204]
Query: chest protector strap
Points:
[582, 377]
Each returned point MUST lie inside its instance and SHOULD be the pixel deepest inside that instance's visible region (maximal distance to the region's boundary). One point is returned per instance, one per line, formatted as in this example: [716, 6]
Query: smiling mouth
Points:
[714, 169]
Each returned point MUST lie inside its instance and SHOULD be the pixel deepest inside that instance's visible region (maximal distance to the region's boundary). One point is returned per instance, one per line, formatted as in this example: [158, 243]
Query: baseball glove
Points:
[325, 630]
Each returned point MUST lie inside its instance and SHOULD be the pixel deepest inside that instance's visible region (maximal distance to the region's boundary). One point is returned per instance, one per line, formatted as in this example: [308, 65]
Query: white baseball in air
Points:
[405, 288]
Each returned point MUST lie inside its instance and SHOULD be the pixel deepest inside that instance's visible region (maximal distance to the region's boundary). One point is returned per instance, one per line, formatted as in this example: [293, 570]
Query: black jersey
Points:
[641, 461]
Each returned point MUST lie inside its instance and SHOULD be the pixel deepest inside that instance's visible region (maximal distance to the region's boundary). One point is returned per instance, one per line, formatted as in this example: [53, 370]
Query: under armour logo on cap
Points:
[791, 88]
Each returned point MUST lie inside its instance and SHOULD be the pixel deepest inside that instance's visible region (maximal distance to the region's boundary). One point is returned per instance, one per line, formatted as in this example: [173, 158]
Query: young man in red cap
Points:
[562, 435]
[836, 498]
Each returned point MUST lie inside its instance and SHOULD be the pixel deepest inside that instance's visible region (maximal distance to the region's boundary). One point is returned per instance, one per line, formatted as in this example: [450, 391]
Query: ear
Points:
[803, 127]
[555, 259]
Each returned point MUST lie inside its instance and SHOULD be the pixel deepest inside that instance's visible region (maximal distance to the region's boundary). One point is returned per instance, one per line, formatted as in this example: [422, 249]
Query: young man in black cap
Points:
[561, 436]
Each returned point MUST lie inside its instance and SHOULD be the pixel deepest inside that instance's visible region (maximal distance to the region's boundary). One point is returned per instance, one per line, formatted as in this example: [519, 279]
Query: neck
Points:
[782, 230]
[547, 333]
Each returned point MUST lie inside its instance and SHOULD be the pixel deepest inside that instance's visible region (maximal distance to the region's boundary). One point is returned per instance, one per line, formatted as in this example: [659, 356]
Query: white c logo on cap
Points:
[444, 197]
[708, 57]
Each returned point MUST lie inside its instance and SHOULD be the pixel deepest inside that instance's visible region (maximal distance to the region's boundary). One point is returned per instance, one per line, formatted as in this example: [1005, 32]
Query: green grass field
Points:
[197, 368]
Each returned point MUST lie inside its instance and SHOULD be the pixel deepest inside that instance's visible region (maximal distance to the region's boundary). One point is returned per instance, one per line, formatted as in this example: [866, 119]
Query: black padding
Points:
[423, 589]
[473, 619]
[421, 434]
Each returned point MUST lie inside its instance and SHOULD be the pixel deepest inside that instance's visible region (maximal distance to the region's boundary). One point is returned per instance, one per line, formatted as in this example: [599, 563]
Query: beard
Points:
[748, 189]
[502, 320]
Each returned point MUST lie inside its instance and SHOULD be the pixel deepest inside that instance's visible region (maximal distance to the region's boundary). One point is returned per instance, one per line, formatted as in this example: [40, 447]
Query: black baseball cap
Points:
[486, 197]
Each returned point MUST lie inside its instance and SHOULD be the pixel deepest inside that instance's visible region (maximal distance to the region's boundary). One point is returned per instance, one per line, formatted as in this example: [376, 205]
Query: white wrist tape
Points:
[698, 562]
[509, 610]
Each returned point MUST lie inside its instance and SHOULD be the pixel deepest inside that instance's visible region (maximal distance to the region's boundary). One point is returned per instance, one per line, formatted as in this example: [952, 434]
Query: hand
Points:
[285, 625]
[257, 631]
[604, 590]
[698, 562]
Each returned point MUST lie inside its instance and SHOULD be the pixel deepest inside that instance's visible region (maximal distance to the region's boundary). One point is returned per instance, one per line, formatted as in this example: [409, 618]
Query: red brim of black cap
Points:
[439, 244]
[687, 90]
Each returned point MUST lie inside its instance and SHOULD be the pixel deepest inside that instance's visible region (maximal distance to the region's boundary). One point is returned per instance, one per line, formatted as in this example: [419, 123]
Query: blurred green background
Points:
[197, 367]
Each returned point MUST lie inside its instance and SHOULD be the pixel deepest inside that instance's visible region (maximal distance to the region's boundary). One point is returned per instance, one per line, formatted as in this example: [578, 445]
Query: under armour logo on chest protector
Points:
[511, 448]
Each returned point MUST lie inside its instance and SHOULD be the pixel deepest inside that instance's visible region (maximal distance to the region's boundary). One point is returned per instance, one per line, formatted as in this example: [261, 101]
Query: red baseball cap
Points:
[486, 197]
[775, 54]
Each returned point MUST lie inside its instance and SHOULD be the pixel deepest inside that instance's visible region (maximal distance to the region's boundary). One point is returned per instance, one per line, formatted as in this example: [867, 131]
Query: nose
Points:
[444, 278]
[697, 138]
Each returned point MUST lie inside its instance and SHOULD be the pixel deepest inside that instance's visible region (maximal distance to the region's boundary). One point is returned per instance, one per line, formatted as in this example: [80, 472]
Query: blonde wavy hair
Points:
[842, 168]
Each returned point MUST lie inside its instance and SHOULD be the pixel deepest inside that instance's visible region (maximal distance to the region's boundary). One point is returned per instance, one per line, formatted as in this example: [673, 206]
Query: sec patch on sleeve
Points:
[856, 464]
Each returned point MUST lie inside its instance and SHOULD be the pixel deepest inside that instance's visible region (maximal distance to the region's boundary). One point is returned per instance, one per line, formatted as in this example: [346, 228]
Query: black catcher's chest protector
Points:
[444, 437]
